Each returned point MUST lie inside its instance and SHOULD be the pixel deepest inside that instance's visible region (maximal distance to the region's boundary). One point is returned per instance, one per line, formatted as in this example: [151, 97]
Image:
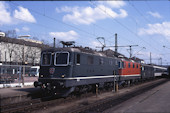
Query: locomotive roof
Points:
[80, 50]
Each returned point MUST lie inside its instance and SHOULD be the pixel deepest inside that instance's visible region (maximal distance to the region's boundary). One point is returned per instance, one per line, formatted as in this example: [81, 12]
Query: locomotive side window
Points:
[119, 64]
[129, 65]
[78, 59]
[110, 62]
[116, 62]
[61, 59]
[101, 61]
[90, 59]
[46, 59]
[123, 66]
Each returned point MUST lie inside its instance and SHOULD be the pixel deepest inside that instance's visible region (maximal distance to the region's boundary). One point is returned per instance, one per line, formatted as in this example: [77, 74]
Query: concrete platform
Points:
[18, 94]
[156, 100]
[17, 91]
[28, 81]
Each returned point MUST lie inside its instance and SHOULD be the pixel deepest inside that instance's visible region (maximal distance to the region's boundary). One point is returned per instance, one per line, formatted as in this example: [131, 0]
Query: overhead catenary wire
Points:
[144, 18]
[154, 28]
[128, 29]
[65, 23]
[56, 20]
[84, 31]
[15, 4]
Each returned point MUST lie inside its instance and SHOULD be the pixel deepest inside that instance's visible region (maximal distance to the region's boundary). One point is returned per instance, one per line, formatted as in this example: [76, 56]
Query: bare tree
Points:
[11, 34]
[34, 54]
[10, 47]
[18, 53]
[35, 38]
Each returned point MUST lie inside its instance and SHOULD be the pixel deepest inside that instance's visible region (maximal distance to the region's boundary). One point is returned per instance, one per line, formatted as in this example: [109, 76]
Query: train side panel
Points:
[147, 71]
[129, 70]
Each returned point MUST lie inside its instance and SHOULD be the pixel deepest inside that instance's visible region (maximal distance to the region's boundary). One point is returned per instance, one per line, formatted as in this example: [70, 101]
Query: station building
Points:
[17, 51]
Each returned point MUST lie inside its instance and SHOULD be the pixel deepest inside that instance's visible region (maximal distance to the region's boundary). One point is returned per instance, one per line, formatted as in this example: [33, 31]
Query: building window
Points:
[78, 59]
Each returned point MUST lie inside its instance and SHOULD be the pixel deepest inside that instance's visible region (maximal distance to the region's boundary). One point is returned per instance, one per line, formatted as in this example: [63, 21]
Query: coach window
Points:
[133, 65]
[137, 65]
[78, 59]
[129, 65]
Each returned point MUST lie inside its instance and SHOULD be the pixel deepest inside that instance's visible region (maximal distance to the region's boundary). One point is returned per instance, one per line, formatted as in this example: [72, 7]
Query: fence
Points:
[15, 74]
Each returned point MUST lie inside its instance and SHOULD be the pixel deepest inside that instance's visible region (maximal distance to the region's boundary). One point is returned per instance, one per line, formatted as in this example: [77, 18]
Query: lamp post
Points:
[160, 60]
[23, 59]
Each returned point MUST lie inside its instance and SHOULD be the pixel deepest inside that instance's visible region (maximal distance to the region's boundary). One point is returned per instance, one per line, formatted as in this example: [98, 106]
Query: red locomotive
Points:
[129, 69]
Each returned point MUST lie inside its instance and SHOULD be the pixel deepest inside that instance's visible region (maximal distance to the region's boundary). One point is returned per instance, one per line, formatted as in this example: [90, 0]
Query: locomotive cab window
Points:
[46, 59]
[61, 59]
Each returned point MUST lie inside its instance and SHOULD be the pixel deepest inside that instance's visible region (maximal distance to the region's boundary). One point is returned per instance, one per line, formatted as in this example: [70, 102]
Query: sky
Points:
[142, 23]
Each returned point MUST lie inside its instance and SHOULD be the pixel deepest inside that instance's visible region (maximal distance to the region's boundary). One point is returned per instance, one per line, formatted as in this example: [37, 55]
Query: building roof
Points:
[22, 42]
[31, 40]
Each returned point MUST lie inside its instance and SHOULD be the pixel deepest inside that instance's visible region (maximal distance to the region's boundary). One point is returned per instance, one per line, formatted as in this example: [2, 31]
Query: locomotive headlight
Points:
[41, 75]
[62, 76]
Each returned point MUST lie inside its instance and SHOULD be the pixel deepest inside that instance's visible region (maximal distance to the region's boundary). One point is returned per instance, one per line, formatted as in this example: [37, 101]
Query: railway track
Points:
[38, 103]
[97, 106]
[19, 98]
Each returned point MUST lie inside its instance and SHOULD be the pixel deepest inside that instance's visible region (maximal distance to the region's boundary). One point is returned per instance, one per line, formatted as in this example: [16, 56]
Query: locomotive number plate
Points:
[52, 70]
